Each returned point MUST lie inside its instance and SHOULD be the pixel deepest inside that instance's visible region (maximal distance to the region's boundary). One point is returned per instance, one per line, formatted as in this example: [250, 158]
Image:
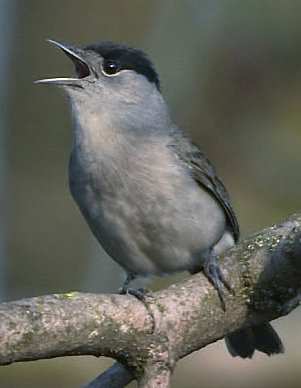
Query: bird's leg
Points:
[214, 274]
[139, 293]
[125, 287]
[143, 295]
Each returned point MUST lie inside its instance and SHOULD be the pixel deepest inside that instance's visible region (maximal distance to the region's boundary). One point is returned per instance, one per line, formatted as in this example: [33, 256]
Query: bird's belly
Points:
[153, 231]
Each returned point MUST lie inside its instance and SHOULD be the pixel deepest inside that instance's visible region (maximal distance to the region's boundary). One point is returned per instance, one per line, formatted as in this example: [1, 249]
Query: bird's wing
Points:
[204, 174]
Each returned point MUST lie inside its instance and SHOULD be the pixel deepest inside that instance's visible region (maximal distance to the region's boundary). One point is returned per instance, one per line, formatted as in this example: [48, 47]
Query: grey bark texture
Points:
[148, 339]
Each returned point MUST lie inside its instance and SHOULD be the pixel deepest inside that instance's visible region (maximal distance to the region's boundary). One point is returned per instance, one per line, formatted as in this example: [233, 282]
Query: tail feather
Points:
[263, 338]
[240, 343]
[267, 340]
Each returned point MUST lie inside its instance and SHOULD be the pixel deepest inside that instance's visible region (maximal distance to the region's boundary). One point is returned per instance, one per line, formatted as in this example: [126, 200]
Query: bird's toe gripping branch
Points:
[214, 274]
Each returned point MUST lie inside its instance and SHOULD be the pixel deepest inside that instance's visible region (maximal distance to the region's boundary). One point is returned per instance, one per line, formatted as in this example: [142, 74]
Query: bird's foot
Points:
[125, 287]
[214, 274]
[144, 296]
[139, 293]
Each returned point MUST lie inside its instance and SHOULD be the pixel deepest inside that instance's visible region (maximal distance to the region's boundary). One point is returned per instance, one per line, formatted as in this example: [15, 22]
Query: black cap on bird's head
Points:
[126, 58]
[114, 59]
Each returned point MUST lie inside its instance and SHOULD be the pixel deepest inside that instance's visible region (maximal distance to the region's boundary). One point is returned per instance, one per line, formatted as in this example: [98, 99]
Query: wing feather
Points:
[205, 175]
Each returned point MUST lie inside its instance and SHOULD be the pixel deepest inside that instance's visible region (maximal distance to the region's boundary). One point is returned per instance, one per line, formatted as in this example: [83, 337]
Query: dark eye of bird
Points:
[110, 67]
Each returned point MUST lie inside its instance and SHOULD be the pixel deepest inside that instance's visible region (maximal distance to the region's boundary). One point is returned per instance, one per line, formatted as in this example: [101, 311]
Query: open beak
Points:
[81, 66]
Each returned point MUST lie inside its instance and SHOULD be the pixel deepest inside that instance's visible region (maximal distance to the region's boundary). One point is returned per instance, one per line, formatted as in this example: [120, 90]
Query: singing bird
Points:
[150, 196]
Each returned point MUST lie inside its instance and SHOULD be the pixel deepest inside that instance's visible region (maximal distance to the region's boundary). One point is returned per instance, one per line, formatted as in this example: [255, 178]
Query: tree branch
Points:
[265, 273]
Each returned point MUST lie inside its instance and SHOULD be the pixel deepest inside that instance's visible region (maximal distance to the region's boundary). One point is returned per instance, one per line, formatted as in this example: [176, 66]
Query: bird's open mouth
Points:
[81, 67]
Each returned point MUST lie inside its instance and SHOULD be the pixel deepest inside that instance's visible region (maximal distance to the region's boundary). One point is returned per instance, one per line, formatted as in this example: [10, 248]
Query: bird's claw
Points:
[139, 293]
[214, 274]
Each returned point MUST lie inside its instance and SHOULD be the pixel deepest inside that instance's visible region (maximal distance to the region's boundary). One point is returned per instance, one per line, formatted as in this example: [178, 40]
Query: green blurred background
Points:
[231, 72]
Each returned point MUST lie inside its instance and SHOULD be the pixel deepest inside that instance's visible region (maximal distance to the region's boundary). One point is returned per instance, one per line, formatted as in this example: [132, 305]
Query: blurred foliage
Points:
[230, 71]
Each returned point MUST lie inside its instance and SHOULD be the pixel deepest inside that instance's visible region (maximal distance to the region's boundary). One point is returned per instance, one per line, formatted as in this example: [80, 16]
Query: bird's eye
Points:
[110, 68]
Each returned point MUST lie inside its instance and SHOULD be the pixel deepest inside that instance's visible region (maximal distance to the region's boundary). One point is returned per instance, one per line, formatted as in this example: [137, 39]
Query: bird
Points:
[150, 196]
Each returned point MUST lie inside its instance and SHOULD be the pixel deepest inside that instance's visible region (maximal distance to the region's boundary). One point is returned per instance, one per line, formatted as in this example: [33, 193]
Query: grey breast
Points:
[145, 208]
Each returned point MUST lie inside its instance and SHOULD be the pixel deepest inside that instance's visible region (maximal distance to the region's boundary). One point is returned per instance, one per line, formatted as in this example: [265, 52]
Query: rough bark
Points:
[148, 339]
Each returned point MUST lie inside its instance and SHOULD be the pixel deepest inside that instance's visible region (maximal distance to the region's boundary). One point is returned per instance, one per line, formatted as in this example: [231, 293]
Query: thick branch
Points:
[265, 273]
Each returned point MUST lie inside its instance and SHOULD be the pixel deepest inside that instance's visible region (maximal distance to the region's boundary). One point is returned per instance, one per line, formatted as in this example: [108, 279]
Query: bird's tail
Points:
[243, 343]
